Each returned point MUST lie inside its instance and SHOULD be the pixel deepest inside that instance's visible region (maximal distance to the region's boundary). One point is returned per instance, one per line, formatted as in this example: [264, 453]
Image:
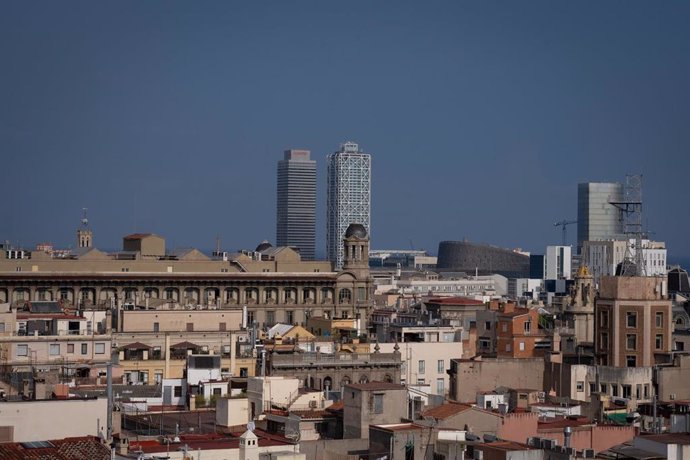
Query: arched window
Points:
[345, 296]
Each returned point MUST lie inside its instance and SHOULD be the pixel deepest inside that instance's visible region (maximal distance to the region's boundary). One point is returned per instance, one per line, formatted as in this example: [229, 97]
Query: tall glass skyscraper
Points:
[296, 204]
[597, 218]
[349, 197]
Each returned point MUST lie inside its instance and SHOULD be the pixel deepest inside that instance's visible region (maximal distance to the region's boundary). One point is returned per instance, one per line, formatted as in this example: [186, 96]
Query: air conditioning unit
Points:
[548, 444]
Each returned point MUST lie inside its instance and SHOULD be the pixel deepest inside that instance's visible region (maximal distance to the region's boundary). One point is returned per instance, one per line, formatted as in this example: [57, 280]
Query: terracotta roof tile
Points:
[446, 410]
[62, 449]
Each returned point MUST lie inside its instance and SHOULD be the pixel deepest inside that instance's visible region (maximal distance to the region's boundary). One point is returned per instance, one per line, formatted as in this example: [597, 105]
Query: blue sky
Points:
[481, 117]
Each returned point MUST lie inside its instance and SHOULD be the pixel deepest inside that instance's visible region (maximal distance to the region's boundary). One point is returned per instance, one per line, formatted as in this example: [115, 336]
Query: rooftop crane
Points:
[564, 224]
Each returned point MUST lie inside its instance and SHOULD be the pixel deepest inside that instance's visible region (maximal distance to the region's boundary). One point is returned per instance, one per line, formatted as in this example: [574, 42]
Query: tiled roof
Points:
[87, 447]
[137, 236]
[446, 410]
[669, 438]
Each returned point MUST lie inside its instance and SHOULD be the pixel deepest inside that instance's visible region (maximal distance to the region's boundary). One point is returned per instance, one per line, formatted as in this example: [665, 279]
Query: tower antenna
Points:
[630, 214]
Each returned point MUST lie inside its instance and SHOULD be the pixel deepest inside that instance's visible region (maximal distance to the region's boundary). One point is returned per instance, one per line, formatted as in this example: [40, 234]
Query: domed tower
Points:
[84, 233]
[356, 248]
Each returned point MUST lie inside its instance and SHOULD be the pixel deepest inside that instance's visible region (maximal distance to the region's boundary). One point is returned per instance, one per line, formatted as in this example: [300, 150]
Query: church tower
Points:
[580, 306]
[84, 233]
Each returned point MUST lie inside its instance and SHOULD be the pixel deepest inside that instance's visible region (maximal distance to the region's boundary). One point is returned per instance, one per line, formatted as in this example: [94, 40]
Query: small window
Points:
[487, 325]
[2, 327]
[504, 326]
[100, 348]
[378, 404]
[22, 350]
[659, 319]
[70, 348]
[528, 327]
[522, 346]
[508, 347]
[631, 342]
[177, 391]
[54, 349]
[84, 348]
[631, 319]
[659, 341]
[604, 345]
[421, 366]
[631, 361]
[580, 385]
[627, 391]
[156, 327]
[440, 366]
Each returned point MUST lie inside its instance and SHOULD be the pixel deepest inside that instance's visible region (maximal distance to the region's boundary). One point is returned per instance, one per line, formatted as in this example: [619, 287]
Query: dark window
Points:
[222, 327]
[84, 348]
[190, 327]
[631, 342]
[177, 391]
[378, 404]
[631, 361]
[659, 341]
[631, 319]
[156, 327]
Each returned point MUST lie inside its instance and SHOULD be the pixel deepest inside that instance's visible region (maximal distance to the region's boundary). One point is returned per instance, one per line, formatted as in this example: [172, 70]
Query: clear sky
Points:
[482, 117]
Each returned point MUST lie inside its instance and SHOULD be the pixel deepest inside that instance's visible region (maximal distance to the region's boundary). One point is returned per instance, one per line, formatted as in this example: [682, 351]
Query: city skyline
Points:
[482, 118]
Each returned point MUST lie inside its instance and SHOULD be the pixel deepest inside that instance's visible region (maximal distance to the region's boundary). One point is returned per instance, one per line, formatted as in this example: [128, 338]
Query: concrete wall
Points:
[232, 411]
[488, 374]
[429, 352]
[54, 419]
[333, 449]
[178, 320]
[674, 380]
[358, 413]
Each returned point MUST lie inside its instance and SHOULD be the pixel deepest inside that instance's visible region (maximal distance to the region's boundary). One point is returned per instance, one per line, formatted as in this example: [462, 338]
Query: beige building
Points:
[26, 421]
[425, 363]
[274, 283]
[633, 322]
[373, 403]
[469, 377]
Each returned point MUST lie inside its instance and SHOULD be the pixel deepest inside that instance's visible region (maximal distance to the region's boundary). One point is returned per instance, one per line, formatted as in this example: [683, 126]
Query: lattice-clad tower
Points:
[349, 197]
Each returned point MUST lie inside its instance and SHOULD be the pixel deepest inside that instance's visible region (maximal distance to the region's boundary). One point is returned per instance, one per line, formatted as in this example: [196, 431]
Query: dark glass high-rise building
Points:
[296, 204]
[597, 218]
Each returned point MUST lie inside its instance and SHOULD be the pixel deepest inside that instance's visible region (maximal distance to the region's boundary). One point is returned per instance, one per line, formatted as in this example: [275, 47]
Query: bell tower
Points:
[356, 248]
[84, 233]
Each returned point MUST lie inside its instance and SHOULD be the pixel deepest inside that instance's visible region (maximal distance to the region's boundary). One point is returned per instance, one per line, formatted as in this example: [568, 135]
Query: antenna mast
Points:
[630, 210]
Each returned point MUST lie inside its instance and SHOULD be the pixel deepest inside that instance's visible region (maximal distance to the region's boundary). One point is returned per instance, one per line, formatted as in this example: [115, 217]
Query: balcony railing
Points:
[340, 359]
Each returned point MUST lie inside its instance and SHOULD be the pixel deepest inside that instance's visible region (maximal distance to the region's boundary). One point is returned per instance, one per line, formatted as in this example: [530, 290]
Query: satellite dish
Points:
[251, 426]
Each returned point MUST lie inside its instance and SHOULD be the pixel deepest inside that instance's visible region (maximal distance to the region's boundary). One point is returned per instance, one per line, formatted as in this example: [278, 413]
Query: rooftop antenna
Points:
[630, 214]
[217, 243]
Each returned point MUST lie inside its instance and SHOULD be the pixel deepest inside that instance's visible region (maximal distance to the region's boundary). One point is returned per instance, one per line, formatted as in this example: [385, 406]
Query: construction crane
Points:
[564, 225]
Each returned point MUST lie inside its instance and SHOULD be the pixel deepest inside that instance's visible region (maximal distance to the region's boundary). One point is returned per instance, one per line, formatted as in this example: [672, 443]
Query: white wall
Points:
[55, 418]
